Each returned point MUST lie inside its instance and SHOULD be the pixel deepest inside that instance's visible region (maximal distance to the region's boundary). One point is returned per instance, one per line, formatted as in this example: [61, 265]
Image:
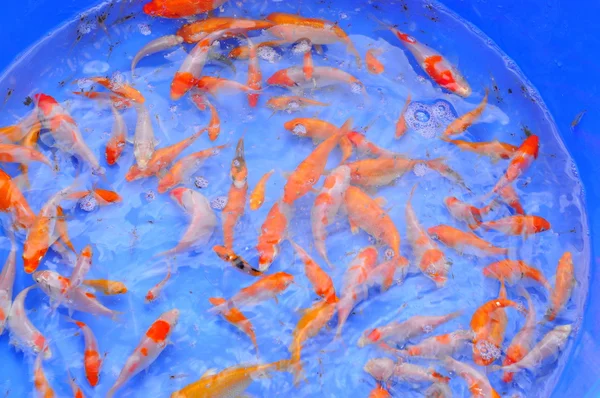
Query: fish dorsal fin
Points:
[209, 372]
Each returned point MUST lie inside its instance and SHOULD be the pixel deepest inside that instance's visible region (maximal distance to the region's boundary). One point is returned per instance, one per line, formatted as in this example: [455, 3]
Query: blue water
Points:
[126, 236]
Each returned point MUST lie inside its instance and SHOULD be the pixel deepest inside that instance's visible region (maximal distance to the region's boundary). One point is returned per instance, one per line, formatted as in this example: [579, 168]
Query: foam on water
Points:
[126, 237]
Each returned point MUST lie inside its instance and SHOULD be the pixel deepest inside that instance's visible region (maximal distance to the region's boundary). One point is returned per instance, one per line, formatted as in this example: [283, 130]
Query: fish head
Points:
[531, 146]
[540, 224]
[166, 182]
[462, 88]
[281, 78]
[381, 369]
[172, 316]
[369, 337]
[178, 194]
[369, 256]
[45, 102]
[32, 257]
[87, 251]
[50, 282]
[224, 253]
[435, 266]
[181, 84]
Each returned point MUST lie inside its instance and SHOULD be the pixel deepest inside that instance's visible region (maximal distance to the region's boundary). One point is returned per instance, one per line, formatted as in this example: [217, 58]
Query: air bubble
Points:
[200, 182]
[86, 27]
[422, 116]
[150, 196]
[302, 47]
[219, 202]
[293, 106]
[356, 88]
[389, 254]
[268, 54]
[427, 329]
[88, 203]
[299, 129]
[117, 80]
[487, 350]
[95, 67]
[144, 29]
[420, 169]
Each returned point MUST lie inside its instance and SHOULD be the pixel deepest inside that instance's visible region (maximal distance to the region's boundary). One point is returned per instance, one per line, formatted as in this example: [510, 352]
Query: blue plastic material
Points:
[555, 44]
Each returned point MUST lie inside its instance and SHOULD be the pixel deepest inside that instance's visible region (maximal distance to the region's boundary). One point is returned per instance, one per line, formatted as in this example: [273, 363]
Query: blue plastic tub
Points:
[555, 44]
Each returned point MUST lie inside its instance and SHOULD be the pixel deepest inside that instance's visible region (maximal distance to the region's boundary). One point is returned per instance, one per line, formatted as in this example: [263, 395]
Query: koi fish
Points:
[374, 66]
[380, 171]
[308, 67]
[439, 346]
[179, 8]
[440, 166]
[435, 65]
[397, 333]
[292, 104]
[327, 204]
[512, 271]
[254, 75]
[107, 287]
[203, 220]
[217, 85]
[185, 167]
[460, 125]
[273, 231]
[23, 333]
[478, 383]
[520, 162]
[291, 28]
[401, 123]
[309, 171]
[463, 211]
[518, 225]
[384, 369]
[549, 347]
[237, 319]
[115, 100]
[365, 213]
[230, 382]
[214, 126]
[319, 131]
[155, 46]
[150, 347]
[64, 130]
[257, 198]
[267, 287]
[495, 150]
[122, 89]
[197, 30]
[77, 392]
[91, 355]
[430, 259]
[383, 275]
[465, 242]
[20, 154]
[7, 282]
[103, 197]
[293, 78]
[82, 267]
[236, 199]
[12, 201]
[563, 286]
[522, 342]
[161, 158]
[116, 143]
[143, 139]
[40, 381]
[355, 288]
[510, 197]
[155, 291]
[228, 255]
[366, 147]
[321, 281]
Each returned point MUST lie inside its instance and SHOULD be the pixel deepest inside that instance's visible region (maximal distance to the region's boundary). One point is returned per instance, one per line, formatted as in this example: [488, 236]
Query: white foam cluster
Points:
[144, 29]
[88, 203]
[200, 182]
[268, 54]
[299, 129]
[150, 196]
[219, 202]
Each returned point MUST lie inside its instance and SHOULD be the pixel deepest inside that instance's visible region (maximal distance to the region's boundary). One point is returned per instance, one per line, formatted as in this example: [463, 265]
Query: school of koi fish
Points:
[340, 178]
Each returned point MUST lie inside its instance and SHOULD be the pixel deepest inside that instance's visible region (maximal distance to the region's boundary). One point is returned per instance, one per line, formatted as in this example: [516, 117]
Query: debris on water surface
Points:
[200, 182]
[150, 195]
[219, 202]
[144, 29]
[88, 203]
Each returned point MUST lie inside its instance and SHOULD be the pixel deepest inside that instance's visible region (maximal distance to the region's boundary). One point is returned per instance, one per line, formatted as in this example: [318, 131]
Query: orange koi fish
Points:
[366, 147]
[381, 171]
[465, 242]
[440, 346]
[319, 131]
[374, 66]
[40, 381]
[107, 287]
[293, 78]
[365, 213]
[401, 123]
[155, 291]
[237, 319]
[257, 198]
[11, 153]
[563, 286]
[197, 30]
[25, 334]
[254, 75]
[522, 342]
[116, 143]
[267, 287]
[103, 197]
[383, 275]
[435, 65]
[430, 259]
[156, 45]
[495, 150]
[460, 125]
[447, 172]
[312, 321]
[236, 261]
[518, 225]
[477, 382]
[229, 382]
[379, 392]
[236, 199]
[463, 212]
[292, 104]
[14, 133]
[7, 282]
[306, 175]
[273, 231]
[12, 201]
[291, 28]
[150, 347]
[161, 158]
[122, 89]
[183, 169]
[512, 271]
[355, 288]
[521, 161]
[180, 8]
[322, 283]
[217, 85]
[510, 197]
[91, 356]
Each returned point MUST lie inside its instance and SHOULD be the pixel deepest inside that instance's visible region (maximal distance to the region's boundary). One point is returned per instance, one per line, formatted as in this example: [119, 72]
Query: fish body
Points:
[563, 287]
[516, 225]
[11, 153]
[7, 281]
[197, 30]
[294, 78]
[118, 138]
[257, 198]
[366, 147]
[383, 275]
[380, 171]
[292, 103]
[40, 381]
[155, 290]
[91, 357]
[459, 125]
[143, 139]
[319, 131]
[273, 231]
[238, 192]
[463, 211]
[156, 45]
[374, 66]
[107, 287]
[478, 383]
[522, 342]
[321, 281]
[236, 261]
[217, 85]
[520, 162]
[254, 75]
[509, 196]
[495, 150]
[513, 271]
[465, 242]
[13, 202]
[82, 267]
[401, 126]
[440, 346]
[237, 319]
[23, 333]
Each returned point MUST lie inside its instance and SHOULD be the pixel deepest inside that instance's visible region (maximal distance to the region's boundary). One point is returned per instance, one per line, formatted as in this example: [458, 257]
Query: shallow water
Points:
[127, 236]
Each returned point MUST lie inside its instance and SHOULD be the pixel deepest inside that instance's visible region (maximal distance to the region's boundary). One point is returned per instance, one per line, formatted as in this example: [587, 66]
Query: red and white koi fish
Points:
[520, 162]
[40, 381]
[563, 286]
[429, 258]
[120, 88]
[374, 66]
[118, 138]
[143, 139]
[150, 347]
[292, 104]
[293, 78]
[237, 319]
[273, 231]
[495, 150]
[384, 369]
[12, 201]
[477, 382]
[355, 288]
[327, 204]
[267, 287]
[383, 275]
[518, 225]
[197, 30]
[11, 153]
[439, 346]
[156, 45]
[321, 281]
[7, 282]
[397, 333]
[257, 198]
[180, 8]
[463, 211]
[319, 131]
[183, 169]
[381, 369]
[381, 171]
[366, 213]
[513, 271]
[236, 199]
[522, 342]
[254, 74]
[465, 242]
[435, 65]
[461, 124]
[64, 130]
[202, 224]
[23, 333]
[92, 361]
[401, 126]
[155, 291]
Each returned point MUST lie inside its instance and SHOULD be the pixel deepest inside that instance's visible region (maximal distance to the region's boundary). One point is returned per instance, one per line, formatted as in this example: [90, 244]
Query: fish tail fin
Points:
[297, 370]
[380, 24]
[219, 307]
[115, 316]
